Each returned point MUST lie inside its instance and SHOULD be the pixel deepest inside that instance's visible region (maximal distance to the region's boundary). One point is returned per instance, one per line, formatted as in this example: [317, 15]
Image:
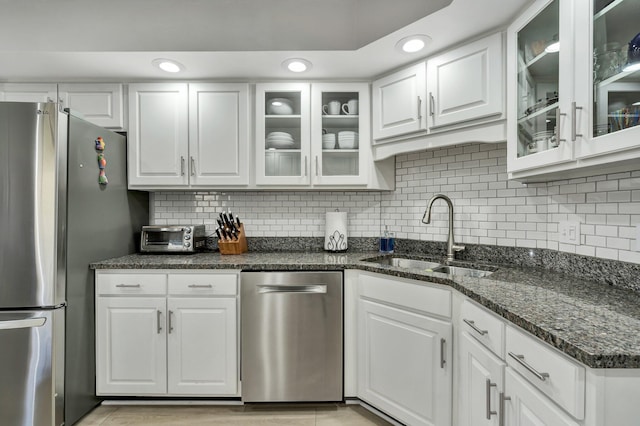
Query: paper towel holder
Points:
[336, 232]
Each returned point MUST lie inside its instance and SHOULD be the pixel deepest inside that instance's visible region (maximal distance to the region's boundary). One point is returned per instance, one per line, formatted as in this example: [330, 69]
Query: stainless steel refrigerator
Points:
[55, 219]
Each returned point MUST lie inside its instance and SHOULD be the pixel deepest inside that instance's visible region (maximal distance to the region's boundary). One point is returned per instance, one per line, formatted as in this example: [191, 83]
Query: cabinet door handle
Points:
[520, 359]
[432, 104]
[473, 325]
[501, 408]
[574, 125]
[158, 313]
[170, 322]
[181, 166]
[128, 285]
[442, 353]
[317, 165]
[488, 388]
[193, 167]
[306, 165]
[419, 108]
[200, 286]
[558, 115]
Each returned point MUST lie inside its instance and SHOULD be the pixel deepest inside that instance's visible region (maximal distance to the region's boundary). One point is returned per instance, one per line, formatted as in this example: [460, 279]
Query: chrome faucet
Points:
[452, 247]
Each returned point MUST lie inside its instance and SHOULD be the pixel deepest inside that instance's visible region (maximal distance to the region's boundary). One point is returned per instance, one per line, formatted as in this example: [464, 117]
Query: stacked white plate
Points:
[281, 140]
[348, 139]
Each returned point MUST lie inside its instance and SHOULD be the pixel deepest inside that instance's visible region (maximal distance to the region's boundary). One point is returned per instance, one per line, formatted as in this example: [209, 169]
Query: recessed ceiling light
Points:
[168, 65]
[297, 65]
[413, 44]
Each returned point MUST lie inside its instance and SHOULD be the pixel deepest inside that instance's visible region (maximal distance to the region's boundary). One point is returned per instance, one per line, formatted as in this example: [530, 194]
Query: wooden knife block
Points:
[238, 246]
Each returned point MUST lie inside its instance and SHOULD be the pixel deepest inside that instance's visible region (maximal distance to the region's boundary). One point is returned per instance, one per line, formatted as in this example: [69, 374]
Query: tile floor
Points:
[239, 415]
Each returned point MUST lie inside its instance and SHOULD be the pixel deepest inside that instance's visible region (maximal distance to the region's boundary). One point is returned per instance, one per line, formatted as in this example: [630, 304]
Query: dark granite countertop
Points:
[597, 324]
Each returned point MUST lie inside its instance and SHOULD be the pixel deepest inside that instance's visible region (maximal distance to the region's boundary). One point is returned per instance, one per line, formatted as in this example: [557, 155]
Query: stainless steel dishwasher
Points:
[291, 327]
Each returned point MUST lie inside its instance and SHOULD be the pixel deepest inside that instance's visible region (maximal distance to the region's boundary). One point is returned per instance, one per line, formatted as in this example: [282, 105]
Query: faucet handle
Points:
[457, 247]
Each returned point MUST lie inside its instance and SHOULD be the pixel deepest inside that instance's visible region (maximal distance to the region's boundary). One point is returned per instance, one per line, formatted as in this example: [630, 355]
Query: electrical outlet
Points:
[569, 232]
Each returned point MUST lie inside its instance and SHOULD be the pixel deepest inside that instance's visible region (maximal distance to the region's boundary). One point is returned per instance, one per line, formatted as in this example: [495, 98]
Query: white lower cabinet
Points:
[525, 406]
[201, 346]
[481, 384]
[166, 334]
[130, 346]
[404, 358]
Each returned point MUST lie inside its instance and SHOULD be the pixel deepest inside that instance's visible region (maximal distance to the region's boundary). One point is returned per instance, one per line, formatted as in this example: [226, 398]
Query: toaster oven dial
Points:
[187, 244]
[187, 237]
[187, 230]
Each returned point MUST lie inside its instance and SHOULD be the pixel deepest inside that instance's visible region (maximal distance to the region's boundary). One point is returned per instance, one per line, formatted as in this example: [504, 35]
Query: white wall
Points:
[489, 209]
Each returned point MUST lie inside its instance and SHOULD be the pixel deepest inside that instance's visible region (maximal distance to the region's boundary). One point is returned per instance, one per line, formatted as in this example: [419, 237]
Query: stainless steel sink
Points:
[427, 266]
[458, 270]
[400, 262]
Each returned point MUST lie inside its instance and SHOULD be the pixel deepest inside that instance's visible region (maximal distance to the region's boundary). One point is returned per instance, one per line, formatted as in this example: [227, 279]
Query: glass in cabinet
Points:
[282, 134]
[541, 76]
[612, 61]
[340, 133]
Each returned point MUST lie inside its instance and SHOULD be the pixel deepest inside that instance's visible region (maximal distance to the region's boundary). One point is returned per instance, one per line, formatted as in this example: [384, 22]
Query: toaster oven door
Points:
[163, 239]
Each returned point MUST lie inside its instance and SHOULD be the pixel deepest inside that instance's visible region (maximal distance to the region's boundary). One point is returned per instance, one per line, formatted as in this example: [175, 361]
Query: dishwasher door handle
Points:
[312, 289]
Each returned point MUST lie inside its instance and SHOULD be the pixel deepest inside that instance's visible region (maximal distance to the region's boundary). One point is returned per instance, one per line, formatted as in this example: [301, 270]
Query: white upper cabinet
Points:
[455, 97]
[340, 142]
[99, 103]
[283, 147]
[399, 103]
[158, 135]
[572, 111]
[218, 134]
[609, 81]
[188, 136]
[316, 136]
[28, 92]
[466, 83]
[540, 79]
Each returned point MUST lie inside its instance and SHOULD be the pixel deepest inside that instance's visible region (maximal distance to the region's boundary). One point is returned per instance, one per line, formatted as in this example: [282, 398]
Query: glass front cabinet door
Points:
[313, 135]
[340, 138]
[608, 62]
[574, 105]
[282, 134]
[541, 86]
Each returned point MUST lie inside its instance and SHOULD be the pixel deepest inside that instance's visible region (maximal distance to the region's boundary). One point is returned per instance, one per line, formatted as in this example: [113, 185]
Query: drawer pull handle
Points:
[158, 313]
[128, 285]
[501, 416]
[443, 361]
[200, 286]
[525, 364]
[170, 322]
[489, 386]
[473, 325]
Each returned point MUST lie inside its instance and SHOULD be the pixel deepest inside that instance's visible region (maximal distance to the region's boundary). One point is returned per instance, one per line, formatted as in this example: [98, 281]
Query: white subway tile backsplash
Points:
[489, 208]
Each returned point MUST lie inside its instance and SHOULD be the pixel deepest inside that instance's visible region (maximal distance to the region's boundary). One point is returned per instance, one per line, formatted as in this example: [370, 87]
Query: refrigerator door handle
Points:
[22, 323]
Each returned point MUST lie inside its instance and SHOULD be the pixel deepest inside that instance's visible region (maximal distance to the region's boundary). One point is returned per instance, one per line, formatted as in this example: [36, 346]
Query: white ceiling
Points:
[116, 40]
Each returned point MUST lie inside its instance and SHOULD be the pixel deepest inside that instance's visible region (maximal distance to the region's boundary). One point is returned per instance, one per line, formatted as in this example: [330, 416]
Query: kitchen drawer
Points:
[484, 326]
[203, 284]
[131, 284]
[401, 292]
[561, 379]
